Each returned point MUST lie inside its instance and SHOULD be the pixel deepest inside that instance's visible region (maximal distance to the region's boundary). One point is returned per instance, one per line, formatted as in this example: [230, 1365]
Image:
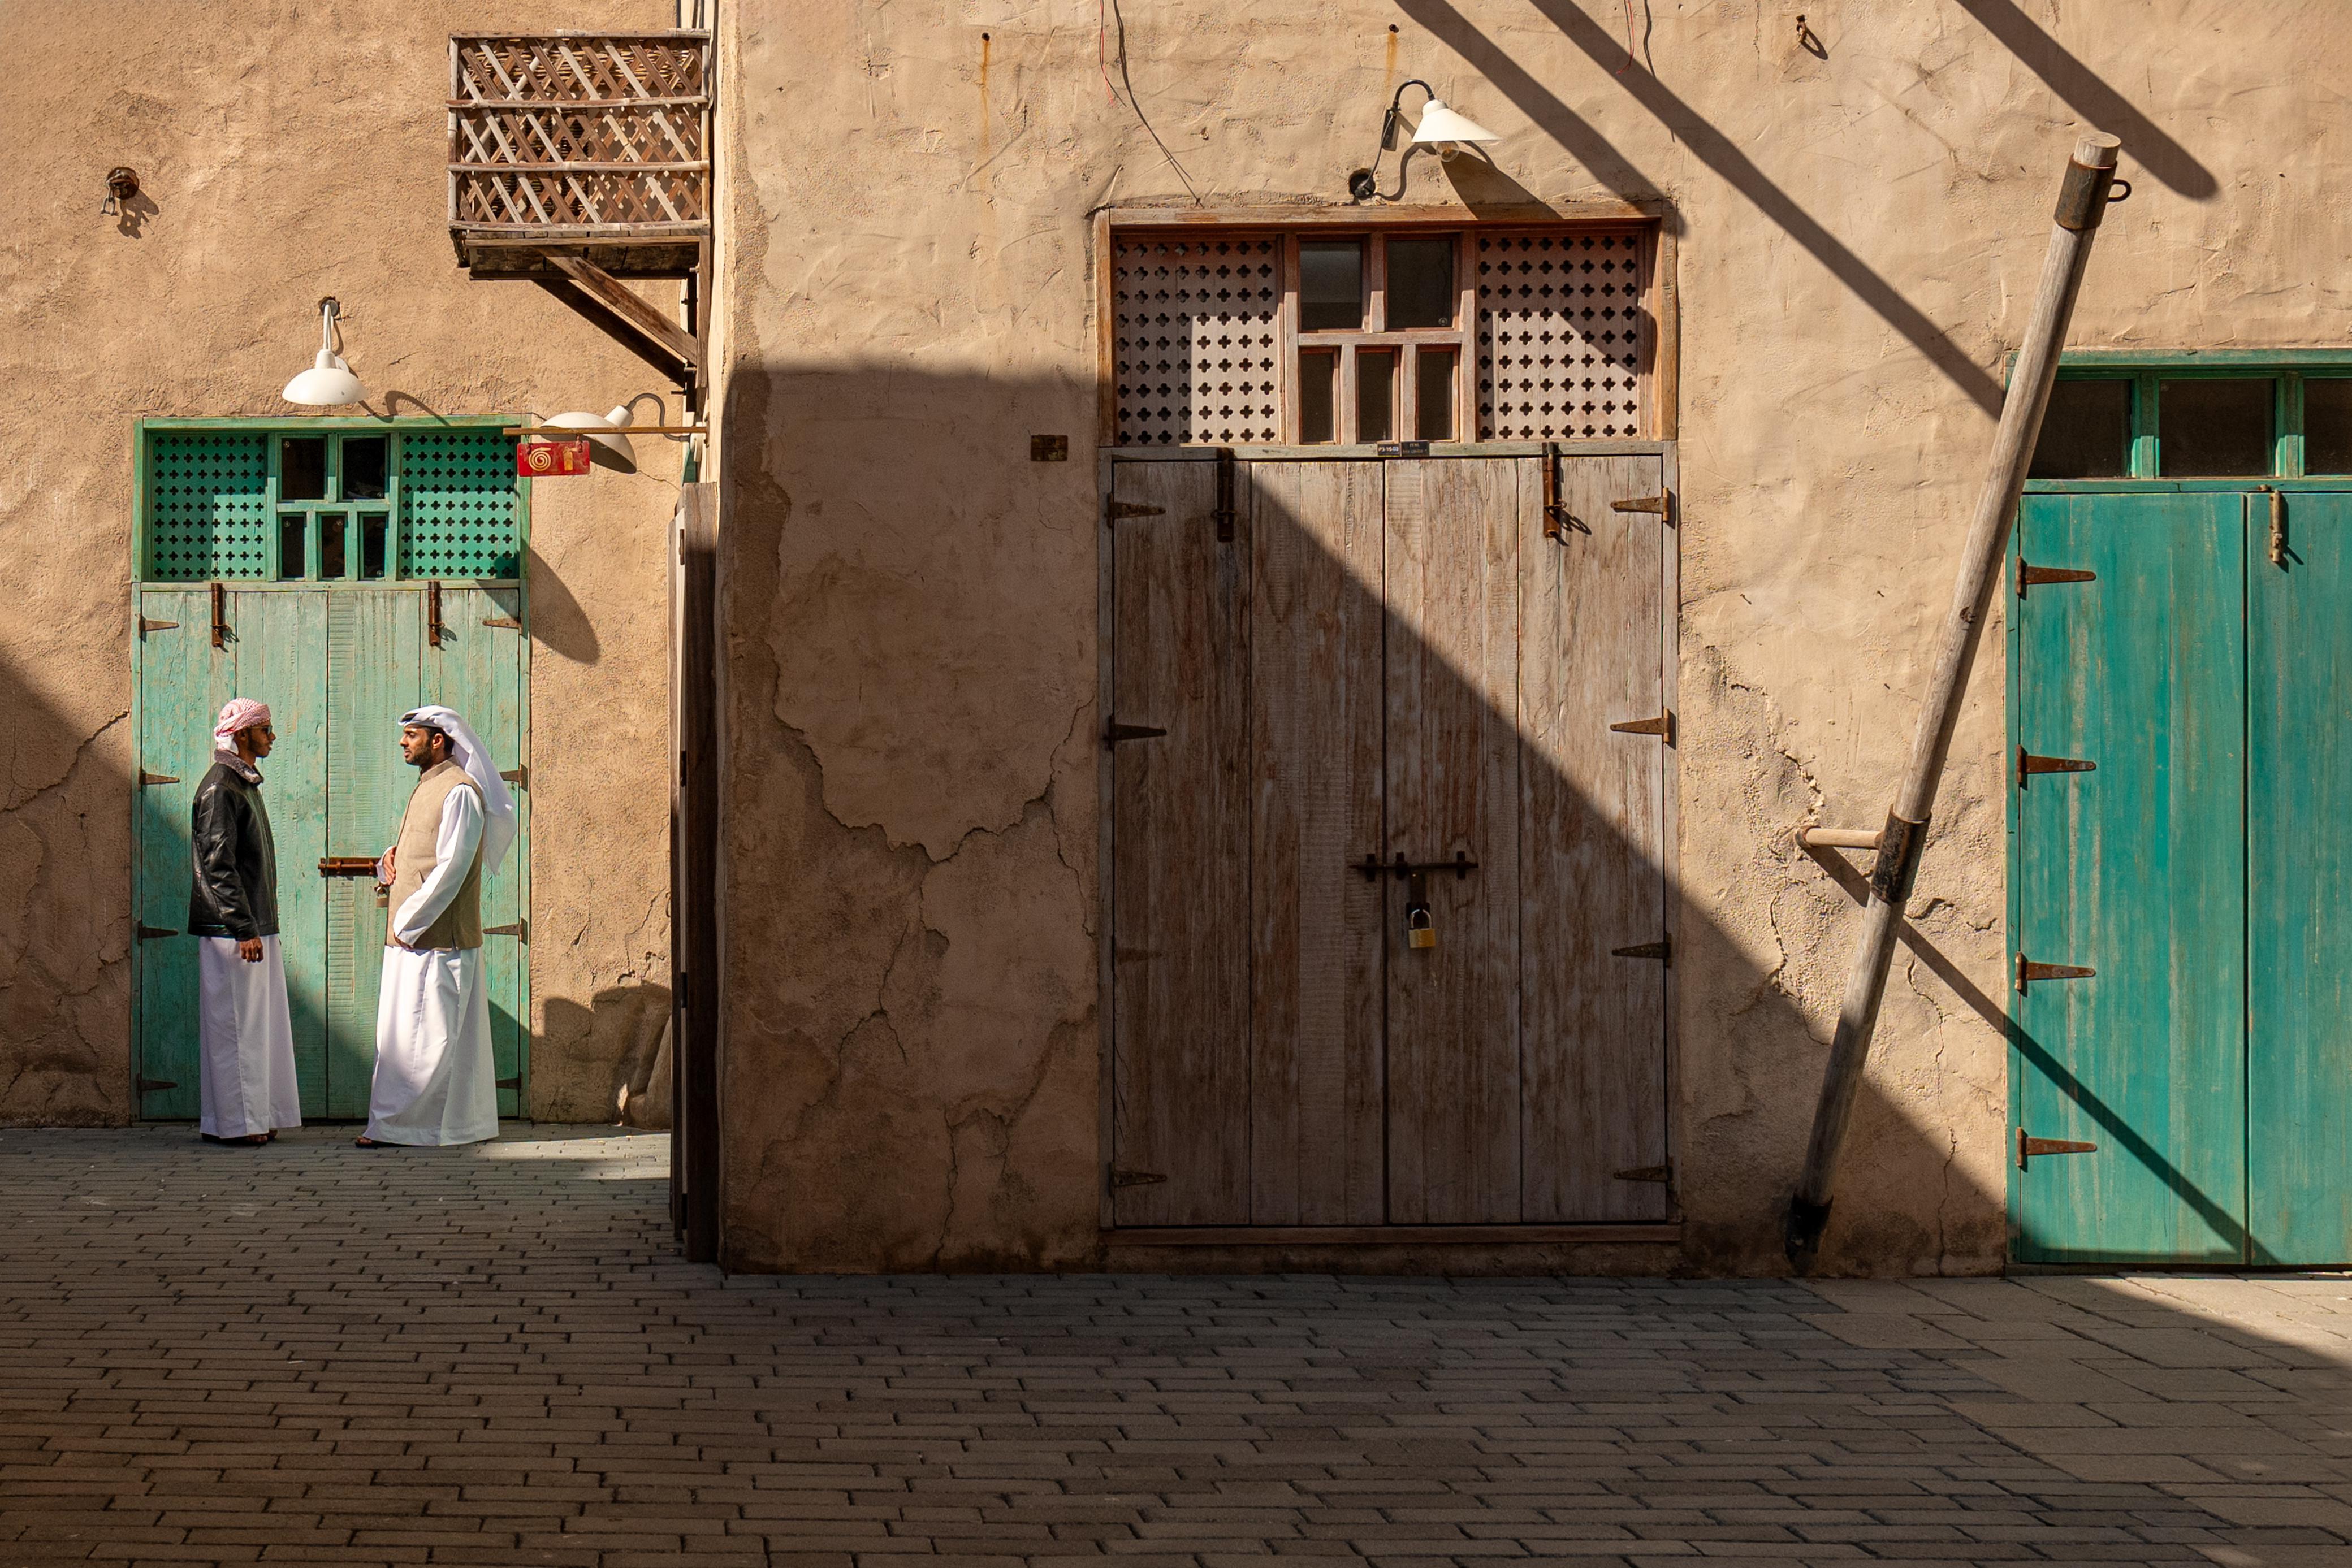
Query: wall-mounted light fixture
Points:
[608, 446]
[1447, 131]
[328, 381]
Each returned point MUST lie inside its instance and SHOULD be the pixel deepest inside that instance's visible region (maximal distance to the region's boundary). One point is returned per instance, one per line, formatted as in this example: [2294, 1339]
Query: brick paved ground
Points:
[309, 1354]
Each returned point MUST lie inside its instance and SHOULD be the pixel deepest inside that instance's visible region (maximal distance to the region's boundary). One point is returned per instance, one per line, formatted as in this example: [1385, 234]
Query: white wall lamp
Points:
[608, 446]
[1448, 131]
[328, 381]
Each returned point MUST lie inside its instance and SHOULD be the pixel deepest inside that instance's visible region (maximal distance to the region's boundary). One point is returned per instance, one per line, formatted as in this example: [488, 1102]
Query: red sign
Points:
[540, 459]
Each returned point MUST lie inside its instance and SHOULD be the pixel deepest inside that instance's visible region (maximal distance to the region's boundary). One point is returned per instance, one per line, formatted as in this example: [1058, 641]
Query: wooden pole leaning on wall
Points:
[2083, 199]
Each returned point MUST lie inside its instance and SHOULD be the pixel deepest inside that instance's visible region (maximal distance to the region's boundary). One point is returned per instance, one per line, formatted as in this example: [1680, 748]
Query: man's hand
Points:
[250, 949]
[383, 868]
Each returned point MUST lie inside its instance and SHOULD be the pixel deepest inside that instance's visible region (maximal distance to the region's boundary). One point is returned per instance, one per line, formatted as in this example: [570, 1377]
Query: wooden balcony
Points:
[586, 146]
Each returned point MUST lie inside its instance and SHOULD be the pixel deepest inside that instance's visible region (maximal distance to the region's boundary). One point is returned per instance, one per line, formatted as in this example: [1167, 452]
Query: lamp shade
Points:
[607, 447]
[1441, 127]
[326, 383]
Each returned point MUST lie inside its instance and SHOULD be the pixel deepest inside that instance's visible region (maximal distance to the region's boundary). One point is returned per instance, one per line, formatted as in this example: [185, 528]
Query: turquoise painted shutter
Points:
[374, 641]
[479, 671]
[279, 636]
[2299, 882]
[2137, 871]
[183, 682]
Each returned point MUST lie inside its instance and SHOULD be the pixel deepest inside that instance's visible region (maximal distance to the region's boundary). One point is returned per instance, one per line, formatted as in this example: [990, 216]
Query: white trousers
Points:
[244, 1037]
[436, 1079]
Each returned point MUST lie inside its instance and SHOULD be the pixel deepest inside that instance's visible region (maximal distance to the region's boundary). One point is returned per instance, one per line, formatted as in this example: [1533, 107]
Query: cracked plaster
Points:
[911, 603]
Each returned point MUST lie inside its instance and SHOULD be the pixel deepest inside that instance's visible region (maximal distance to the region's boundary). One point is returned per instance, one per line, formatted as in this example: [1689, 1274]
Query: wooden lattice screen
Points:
[1196, 341]
[1559, 322]
[603, 136]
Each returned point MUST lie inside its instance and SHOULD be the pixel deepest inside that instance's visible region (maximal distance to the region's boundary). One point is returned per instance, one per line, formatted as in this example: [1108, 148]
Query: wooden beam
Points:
[608, 291]
[1392, 1235]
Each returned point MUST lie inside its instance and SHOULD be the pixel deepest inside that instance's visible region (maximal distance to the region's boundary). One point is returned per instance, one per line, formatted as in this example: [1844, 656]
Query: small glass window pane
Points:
[331, 544]
[374, 529]
[364, 467]
[1318, 379]
[302, 468]
[290, 560]
[1331, 285]
[2327, 425]
[2086, 434]
[1375, 395]
[1432, 394]
[2213, 427]
[1421, 282]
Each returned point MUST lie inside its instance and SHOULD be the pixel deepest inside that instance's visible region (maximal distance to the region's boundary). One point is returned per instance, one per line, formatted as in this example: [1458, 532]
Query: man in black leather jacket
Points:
[244, 1029]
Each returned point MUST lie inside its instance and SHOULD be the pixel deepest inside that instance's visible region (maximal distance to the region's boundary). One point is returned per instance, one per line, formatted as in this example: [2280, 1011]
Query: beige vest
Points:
[460, 925]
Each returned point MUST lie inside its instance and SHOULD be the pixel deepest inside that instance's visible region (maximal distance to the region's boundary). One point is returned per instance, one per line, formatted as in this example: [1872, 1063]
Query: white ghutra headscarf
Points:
[499, 822]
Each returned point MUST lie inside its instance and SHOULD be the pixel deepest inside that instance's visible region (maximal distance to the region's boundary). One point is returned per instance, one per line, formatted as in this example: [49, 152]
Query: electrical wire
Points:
[1120, 20]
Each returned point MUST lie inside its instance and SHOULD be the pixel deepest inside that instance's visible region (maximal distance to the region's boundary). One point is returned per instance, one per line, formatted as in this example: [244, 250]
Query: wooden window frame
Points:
[1293, 340]
[1658, 348]
[141, 469]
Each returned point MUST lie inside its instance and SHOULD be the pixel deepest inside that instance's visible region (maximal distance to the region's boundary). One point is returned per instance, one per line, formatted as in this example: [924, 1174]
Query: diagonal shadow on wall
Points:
[1574, 134]
[914, 1038]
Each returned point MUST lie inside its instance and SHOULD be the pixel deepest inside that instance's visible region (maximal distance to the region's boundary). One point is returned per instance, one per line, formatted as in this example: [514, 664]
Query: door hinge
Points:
[150, 933]
[504, 622]
[155, 1085]
[2034, 576]
[514, 1084]
[2028, 765]
[147, 778]
[1662, 504]
[520, 928]
[1120, 1178]
[1647, 1173]
[2028, 972]
[1114, 509]
[1662, 727]
[146, 625]
[2027, 1147]
[1224, 512]
[521, 776]
[1115, 732]
[1663, 950]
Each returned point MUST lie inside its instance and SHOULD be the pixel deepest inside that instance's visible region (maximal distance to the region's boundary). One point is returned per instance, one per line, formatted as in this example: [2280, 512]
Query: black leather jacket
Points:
[236, 893]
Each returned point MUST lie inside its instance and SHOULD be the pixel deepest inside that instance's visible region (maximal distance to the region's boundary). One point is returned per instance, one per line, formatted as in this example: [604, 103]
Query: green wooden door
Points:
[338, 666]
[2136, 871]
[2299, 881]
[478, 670]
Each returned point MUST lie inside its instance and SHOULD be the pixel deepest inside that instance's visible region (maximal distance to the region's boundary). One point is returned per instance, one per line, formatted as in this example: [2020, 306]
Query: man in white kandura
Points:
[435, 1080]
[244, 1032]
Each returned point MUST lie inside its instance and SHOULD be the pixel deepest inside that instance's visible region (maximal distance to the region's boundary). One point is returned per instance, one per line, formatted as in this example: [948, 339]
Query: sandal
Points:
[367, 1143]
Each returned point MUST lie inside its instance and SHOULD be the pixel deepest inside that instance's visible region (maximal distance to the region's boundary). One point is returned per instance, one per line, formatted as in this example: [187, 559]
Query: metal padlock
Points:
[1417, 932]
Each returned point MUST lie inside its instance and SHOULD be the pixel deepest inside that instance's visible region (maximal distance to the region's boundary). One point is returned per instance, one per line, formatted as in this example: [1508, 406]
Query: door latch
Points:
[2278, 524]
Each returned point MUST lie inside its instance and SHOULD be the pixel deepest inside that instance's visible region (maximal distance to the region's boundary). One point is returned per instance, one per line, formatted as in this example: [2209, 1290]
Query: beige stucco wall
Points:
[913, 1034]
[288, 152]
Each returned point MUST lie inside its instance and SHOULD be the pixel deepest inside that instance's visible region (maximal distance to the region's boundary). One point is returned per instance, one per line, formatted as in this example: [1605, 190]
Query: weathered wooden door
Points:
[1361, 666]
[338, 667]
[2298, 871]
[2133, 870]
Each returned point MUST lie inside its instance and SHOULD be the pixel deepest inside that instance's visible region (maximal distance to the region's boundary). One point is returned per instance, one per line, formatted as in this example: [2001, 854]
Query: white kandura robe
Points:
[436, 1079]
[244, 1037]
